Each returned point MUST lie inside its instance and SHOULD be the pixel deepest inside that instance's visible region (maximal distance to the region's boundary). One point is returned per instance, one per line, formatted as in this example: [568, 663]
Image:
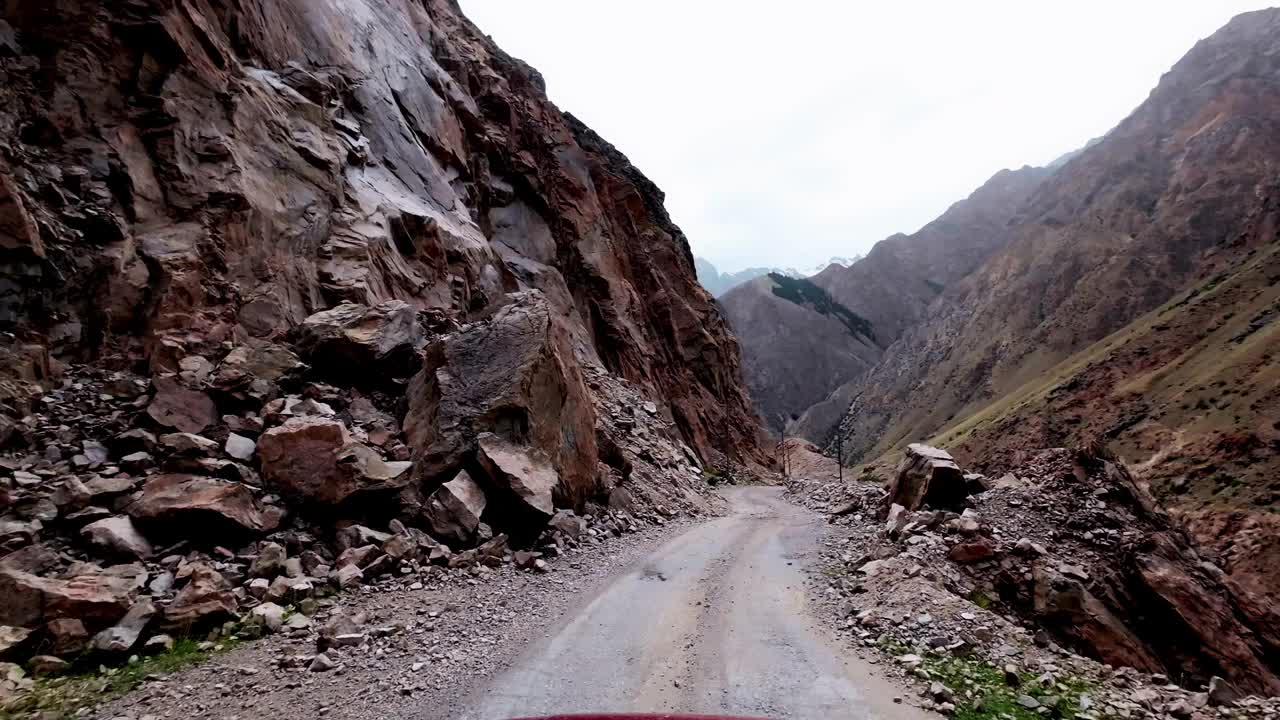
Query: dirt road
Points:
[712, 622]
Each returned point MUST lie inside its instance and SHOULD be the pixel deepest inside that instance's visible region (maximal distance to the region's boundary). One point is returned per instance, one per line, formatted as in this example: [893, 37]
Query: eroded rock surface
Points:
[276, 271]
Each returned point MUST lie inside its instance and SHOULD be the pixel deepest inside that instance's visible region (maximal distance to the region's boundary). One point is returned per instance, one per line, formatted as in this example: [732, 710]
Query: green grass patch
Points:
[982, 693]
[87, 685]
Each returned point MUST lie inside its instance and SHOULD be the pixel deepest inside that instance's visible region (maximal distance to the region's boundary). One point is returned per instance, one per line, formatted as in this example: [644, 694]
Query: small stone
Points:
[940, 692]
[48, 665]
[270, 561]
[258, 587]
[1028, 702]
[349, 639]
[348, 576]
[157, 644]
[1074, 571]
[270, 615]
[240, 447]
[1222, 692]
[322, 663]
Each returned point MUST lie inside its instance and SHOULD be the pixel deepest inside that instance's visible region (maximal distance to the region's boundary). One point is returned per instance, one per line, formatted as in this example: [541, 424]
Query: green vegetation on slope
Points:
[89, 685]
[980, 690]
[803, 292]
[1184, 392]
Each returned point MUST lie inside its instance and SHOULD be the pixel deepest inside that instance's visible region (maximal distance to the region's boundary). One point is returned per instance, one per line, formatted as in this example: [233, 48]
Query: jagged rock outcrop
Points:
[274, 276]
[1071, 546]
[203, 174]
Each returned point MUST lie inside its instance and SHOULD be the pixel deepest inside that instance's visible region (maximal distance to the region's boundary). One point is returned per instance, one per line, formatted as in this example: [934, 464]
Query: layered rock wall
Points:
[185, 177]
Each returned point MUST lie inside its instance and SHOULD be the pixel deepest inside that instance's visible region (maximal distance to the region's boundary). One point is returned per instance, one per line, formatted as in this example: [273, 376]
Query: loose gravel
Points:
[428, 643]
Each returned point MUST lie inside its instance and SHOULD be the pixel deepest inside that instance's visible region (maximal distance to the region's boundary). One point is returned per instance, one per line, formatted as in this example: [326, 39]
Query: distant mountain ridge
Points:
[718, 283]
[798, 371]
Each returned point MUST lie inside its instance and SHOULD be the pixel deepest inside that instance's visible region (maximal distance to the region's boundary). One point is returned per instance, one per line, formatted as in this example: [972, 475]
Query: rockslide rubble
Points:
[298, 295]
[1062, 567]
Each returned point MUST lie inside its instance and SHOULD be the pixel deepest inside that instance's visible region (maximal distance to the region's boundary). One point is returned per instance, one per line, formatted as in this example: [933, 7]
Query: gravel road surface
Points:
[713, 621]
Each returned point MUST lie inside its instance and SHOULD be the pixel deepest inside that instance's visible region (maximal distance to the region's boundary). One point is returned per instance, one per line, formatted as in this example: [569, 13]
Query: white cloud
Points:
[785, 133]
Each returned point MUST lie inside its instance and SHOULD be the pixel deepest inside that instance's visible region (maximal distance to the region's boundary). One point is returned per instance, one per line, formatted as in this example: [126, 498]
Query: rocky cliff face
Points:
[181, 177]
[1178, 191]
[272, 268]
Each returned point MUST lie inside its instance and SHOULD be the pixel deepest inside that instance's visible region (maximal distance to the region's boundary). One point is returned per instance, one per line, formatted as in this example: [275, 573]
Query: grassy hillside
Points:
[1188, 393]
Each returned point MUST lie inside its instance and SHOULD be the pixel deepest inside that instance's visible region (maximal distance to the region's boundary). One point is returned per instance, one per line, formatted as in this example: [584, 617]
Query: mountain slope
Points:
[796, 343]
[902, 274]
[1167, 195]
[890, 288]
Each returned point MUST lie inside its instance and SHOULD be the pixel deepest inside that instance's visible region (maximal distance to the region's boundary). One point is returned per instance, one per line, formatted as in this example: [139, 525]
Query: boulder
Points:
[205, 601]
[13, 641]
[928, 476]
[180, 408]
[519, 473]
[312, 459]
[270, 615]
[361, 557]
[253, 364]
[95, 597]
[513, 375]
[453, 511]
[190, 444]
[359, 343]
[124, 635]
[157, 644]
[1222, 693]
[347, 577]
[270, 561]
[359, 536]
[240, 447]
[69, 636]
[566, 522]
[44, 665]
[972, 551]
[491, 553]
[118, 537]
[190, 505]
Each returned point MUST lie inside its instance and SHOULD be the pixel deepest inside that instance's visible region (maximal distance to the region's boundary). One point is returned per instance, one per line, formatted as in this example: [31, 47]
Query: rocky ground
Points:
[140, 517]
[922, 592]
[408, 647]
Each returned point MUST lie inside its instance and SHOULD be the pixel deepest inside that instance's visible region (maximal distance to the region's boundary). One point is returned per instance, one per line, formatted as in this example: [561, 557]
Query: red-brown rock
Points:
[361, 344]
[313, 460]
[179, 504]
[972, 551]
[520, 473]
[453, 511]
[206, 600]
[513, 375]
[928, 476]
[180, 408]
[279, 169]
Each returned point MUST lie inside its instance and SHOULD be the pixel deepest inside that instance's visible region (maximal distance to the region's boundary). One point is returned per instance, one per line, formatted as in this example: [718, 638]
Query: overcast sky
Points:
[786, 133]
